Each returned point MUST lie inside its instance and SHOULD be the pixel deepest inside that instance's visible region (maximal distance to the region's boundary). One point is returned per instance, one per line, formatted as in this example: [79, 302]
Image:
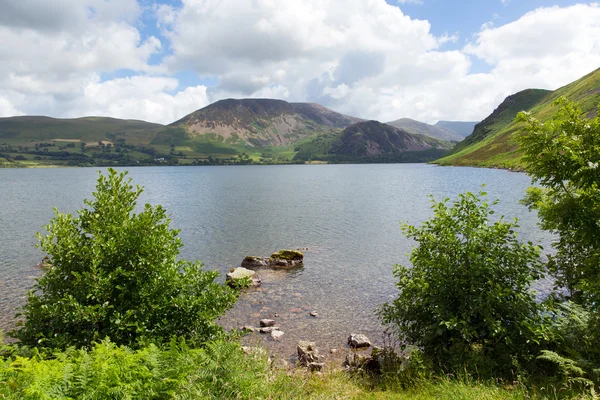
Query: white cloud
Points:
[140, 97]
[367, 58]
[362, 57]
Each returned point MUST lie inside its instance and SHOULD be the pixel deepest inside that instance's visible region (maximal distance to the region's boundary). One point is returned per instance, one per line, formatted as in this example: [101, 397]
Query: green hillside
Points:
[493, 141]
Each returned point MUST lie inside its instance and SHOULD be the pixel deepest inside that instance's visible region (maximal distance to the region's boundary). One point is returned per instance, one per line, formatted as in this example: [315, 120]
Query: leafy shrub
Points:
[466, 301]
[117, 274]
[563, 156]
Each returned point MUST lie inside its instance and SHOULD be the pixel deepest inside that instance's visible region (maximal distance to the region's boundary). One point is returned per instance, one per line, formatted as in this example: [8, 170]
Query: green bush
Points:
[117, 274]
[563, 156]
[466, 300]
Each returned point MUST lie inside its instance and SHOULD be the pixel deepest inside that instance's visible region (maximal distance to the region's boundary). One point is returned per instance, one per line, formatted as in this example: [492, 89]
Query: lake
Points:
[347, 216]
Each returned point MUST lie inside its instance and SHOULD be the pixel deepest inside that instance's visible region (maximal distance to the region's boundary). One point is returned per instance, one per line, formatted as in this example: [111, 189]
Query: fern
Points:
[570, 371]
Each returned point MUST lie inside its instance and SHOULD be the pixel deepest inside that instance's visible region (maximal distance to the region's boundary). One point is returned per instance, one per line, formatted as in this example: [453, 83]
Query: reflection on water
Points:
[346, 215]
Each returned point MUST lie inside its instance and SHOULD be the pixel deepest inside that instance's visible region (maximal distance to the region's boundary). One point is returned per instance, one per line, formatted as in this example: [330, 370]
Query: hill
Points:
[493, 143]
[421, 128]
[462, 128]
[260, 122]
[91, 129]
[371, 141]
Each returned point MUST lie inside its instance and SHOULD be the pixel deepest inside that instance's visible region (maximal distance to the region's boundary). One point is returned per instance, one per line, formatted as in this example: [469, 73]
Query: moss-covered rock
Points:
[290, 255]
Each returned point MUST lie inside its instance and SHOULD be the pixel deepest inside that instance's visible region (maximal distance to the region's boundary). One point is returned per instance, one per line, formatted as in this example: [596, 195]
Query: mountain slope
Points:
[371, 141]
[421, 128]
[261, 122]
[493, 142]
[84, 129]
[462, 128]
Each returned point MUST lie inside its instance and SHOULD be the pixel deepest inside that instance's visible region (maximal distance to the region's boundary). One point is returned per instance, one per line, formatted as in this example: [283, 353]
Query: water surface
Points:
[346, 215]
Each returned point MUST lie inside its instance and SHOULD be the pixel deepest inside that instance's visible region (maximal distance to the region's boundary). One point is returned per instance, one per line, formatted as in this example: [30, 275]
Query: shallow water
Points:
[346, 215]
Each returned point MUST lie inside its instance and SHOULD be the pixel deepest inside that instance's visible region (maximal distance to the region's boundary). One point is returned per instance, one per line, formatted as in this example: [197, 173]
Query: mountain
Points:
[261, 122]
[371, 141]
[421, 128]
[462, 128]
[493, 144]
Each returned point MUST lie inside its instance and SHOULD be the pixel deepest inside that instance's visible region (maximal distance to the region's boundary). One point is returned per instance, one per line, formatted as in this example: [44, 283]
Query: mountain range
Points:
[275, 131]
[238, 131]
[452, 131]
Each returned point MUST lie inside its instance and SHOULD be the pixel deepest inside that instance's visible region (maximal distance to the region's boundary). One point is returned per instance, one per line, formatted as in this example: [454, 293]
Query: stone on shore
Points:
[238, 276]
[307, 353]
[358, 341]
[315, 366]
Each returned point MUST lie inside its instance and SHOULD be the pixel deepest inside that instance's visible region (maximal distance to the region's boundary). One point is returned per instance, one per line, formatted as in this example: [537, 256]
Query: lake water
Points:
[347, 216]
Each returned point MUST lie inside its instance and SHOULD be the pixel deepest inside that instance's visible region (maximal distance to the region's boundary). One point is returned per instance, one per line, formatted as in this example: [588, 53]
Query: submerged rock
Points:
[358, 340]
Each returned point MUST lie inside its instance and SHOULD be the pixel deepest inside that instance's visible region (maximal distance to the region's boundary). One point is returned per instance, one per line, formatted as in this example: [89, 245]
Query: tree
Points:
[562, 156]
[117, 274]
[467, 299]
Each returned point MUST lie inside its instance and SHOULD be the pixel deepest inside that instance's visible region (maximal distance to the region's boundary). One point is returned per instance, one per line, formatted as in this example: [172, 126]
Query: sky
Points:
[157, 61]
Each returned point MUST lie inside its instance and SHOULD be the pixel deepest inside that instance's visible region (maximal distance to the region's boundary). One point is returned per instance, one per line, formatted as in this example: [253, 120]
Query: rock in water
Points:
[238, 275]
[286, 259]
[267, 322]
[358, 340]
[268, 329]
[255, 262]
[276, 335]
[278, 260]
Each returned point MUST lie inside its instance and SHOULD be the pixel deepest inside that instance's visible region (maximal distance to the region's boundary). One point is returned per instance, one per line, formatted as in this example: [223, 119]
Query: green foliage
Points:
[562, 155]
[117, 274]
[467, 298]
[221, 370]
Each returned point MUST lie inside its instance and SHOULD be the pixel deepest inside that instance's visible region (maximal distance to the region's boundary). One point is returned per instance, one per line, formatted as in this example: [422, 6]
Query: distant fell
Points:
[421, 128]
[371, 141]
[493, 141]
[262, 122]
[462, 128]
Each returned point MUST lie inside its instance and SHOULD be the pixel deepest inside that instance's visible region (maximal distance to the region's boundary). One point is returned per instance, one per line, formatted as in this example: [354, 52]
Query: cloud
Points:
[361, 57]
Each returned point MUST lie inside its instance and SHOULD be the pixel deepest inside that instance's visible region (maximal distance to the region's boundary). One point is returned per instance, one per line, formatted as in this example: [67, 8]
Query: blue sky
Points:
[159, 60]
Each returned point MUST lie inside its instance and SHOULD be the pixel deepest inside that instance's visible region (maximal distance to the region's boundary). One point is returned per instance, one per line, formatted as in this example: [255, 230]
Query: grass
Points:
[222, 370]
